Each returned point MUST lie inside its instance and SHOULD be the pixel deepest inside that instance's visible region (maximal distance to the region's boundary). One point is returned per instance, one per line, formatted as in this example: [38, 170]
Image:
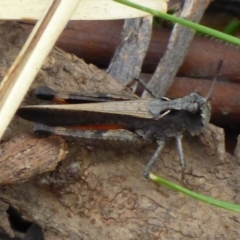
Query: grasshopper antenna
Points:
[220, 63]
[145, 87]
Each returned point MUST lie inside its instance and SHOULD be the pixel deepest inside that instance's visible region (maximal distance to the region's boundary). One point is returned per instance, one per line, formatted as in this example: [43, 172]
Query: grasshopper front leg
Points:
[181, 158]
[161, 145]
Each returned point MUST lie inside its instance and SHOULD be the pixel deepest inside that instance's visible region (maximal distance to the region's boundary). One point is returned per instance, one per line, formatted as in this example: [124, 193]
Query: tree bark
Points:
[98, 192]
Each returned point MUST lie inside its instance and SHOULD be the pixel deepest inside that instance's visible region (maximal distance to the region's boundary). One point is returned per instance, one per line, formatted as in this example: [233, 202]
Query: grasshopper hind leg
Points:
[182, 159]
[150, 164]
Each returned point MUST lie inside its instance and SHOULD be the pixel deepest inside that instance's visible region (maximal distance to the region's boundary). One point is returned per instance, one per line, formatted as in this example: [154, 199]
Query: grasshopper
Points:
[137, 120]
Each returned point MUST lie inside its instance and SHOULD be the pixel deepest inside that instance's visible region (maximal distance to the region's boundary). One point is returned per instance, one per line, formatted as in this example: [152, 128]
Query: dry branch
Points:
[98, 192]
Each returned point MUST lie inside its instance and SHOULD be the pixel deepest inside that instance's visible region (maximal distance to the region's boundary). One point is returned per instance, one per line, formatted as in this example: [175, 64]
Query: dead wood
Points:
[177, 48]
[26, 156]
[99, 192]
[127, 61]
[102, 38]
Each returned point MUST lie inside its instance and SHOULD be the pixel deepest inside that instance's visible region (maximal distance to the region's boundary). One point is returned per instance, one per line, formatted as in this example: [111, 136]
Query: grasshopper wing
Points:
[89, 113]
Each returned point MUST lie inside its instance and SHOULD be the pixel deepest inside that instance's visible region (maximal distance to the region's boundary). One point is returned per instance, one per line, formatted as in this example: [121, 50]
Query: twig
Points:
[177, 48]
[127, 61]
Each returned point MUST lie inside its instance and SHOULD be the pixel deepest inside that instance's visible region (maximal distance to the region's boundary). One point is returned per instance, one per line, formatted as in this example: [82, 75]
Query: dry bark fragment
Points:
[24, 157]
[126, 63]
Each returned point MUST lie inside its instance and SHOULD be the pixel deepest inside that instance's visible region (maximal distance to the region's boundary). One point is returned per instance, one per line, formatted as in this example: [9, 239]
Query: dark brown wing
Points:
[46, 93]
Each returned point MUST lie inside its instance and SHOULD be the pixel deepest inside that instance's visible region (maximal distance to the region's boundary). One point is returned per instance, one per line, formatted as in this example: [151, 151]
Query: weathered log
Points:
[98, 192]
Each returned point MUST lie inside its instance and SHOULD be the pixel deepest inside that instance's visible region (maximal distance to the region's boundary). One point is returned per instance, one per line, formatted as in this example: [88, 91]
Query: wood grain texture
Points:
[24, 157]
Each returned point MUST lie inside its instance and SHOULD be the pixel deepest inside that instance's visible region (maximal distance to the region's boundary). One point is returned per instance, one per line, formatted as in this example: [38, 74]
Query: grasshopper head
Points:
[196, 121]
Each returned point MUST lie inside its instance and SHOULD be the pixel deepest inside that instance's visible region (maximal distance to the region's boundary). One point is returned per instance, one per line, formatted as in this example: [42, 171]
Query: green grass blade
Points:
[203, 198]
[195, 26]
[232, 27]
